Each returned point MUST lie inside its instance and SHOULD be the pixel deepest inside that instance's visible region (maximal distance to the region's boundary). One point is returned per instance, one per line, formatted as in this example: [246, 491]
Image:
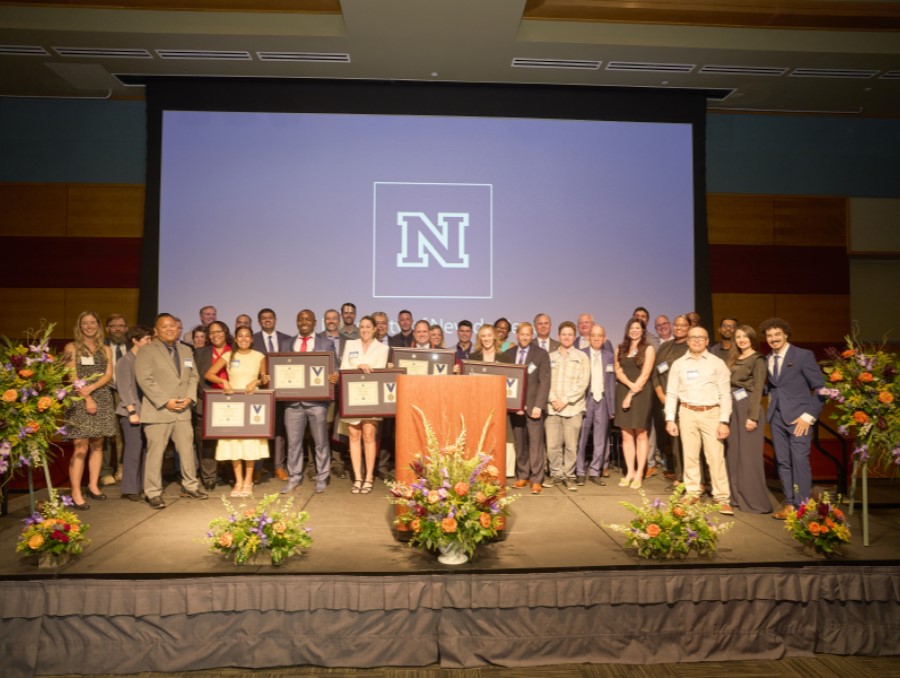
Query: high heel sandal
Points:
[357, 487]
[367, 487]
[248, 490]
[236, 490]
[625, 482]
[635, 484]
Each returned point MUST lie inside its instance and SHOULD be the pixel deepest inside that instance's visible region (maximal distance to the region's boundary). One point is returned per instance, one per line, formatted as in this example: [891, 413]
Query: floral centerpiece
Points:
[270, 527]
[456, 501]
[863, 385]
[53, 532]
[36, 390]
[819, 525]
[672, 530]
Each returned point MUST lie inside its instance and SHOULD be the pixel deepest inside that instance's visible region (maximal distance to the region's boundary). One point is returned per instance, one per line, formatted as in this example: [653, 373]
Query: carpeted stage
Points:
[147, 596]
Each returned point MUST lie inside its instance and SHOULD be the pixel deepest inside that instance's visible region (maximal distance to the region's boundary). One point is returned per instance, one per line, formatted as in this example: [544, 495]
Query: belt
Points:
[699, 408]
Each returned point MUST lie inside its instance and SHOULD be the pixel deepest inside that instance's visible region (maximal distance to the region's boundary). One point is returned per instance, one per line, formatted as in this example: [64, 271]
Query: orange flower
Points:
[814, 528]
[448, 525]
[25, 373]
[74, 529]
[849, 353]
[32, 427]
[829, 522]
[679, 512]
[44, 403]
[860, 417]
[10, 396]
[492, 471]
[485, 520]
[461, 489]
[416, 525]
[226, 539]
[433, 497]
[836, 376]
[866, 377]
[35, 542]
[838, 514]
[480, 497]
[823, 529]
[653, 530]
[250, 512]
[885, 397]
[279, 527]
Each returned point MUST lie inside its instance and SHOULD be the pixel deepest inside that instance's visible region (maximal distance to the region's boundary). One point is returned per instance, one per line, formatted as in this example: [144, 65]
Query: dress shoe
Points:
[156, 503]
[597, 480]
[579, 480]
[92, 495]
[650, 472]
[210, 485]
[132, 497]
[341, 472]
[292, 485]
[605, 473]
[281, 474]
[536, 488]
[669, 475]
[783, 513]
[193, 494]
[726, 510]
[520, 483]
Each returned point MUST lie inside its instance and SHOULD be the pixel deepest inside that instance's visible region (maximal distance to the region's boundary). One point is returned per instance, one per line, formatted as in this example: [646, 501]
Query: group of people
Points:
[676, 401]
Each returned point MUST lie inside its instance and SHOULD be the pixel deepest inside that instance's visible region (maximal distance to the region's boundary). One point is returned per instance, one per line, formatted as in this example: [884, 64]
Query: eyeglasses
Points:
[698, 338]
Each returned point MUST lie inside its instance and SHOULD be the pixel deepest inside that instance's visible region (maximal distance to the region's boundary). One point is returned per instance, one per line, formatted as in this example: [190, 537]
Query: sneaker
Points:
[195, 494]
[552, 482]
[726, 510]
[156, 503]
[579, 480]
[571, 486]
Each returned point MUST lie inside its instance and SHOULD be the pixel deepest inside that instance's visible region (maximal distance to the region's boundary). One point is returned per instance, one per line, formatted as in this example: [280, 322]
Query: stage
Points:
[560, 588]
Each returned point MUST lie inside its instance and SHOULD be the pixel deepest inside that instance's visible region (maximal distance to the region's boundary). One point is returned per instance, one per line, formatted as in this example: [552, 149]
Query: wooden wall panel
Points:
[810, 221]
[102, 301]
[739, 219]
[774, 269]
[73, 262]
[815, 317]
[23, 308]
[109, 211]
[33, 209]
[750, 309]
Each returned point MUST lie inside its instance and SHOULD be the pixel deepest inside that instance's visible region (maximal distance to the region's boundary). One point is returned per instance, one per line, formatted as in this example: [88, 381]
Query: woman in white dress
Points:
[245, 369]
[363, 354]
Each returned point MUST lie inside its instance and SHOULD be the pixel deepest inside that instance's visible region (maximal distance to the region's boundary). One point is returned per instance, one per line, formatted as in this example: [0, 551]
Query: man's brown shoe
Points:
[726, 510]
[605, 473]
[536, 488]
[783, 513]
[520, 483]
[650, 472]
[281, 474]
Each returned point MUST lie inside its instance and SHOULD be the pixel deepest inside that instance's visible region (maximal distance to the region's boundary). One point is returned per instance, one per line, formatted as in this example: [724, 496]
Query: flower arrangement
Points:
[35, 390]
[819, 524]
[249, 531]
[863, 385]
[456, 497]
[53, 530]
[673, 529]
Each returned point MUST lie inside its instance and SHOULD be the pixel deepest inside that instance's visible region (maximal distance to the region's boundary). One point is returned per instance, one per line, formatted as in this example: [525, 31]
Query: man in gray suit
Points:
[542, 326]
[600, 409]
[267, 341]
[166, 374]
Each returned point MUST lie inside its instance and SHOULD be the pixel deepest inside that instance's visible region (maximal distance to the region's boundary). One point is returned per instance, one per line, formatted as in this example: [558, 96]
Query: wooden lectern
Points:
[443, 399]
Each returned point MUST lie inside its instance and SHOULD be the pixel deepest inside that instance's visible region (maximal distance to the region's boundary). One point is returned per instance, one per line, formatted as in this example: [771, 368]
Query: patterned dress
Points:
[80, 424]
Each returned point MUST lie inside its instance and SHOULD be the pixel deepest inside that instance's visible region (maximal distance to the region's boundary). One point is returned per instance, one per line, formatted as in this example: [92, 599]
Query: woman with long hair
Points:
[486, 349]
[634, 362]
[92, 418]
[744, 458]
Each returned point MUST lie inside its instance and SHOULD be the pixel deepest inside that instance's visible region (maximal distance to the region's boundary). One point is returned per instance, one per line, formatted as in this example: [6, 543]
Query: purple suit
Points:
[597, 417]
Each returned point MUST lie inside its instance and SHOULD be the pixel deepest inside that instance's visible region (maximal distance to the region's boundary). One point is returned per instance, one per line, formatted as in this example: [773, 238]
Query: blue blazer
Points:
[262, 348]
[320, 343]
[607, 359]
[797, 388]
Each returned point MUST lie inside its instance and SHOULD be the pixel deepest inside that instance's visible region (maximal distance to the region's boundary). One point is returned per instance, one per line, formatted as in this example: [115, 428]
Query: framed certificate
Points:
[369, 395]
[239, 415]
[301, 376]
[424, 361]
[513, 374]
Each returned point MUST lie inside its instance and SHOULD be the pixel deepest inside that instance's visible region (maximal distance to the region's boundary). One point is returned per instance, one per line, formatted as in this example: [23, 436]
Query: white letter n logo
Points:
[446, 241]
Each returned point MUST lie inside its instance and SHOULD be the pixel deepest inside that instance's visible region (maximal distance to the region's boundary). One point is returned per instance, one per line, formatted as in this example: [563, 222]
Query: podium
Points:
[443, 399]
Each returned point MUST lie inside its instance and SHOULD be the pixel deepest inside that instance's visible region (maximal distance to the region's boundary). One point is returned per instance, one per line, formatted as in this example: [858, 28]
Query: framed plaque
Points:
[239, 415]
[515, 376]
[301, 376]
[369, 395]
[424, 361]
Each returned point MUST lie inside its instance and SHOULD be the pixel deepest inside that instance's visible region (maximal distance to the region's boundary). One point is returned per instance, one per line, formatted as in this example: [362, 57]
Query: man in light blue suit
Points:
[794, 403]
[600, 408]
[297, 414]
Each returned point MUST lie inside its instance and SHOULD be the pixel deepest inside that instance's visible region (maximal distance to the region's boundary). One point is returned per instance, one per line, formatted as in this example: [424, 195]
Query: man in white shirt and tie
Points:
[269, 340]
[600, 408]
[542, 326]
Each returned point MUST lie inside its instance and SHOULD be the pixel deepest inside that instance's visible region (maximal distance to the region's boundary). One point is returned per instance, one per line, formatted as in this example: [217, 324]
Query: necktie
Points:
[120, 350]
[597, 377]
[303, 347]
[544, 344]
[174, 350]
[521, 359]
[271, 345]
[776, 369]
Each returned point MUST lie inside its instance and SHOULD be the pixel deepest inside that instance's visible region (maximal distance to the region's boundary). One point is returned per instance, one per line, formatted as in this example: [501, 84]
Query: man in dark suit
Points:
[404, 338]
[300, 413]
[599, 411]
[528, 424]
[267, 341]
[542, 326]
[339, 454]
[794, 403]
[165, 371]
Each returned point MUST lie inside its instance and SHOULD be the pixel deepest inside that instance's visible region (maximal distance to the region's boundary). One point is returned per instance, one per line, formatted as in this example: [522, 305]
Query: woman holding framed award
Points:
[366, 354]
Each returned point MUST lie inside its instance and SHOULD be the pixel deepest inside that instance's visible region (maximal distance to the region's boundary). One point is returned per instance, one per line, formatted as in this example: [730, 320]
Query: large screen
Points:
[450, 216]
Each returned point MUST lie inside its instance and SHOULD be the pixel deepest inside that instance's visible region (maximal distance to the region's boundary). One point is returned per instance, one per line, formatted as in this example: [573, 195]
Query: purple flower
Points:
[843, 430]
[862, 451]
[61, 393]
[24, 461]
[210, 534]
[5, 448]
[22, 432]
[33, 519]
[656, 503]
[79, 384]
[4, 465]
[62, 431]
[67, 500]
[691, 535]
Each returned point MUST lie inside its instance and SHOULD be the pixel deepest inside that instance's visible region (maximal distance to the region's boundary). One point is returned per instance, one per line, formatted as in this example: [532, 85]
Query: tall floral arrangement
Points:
[863, 385]
[456, 497]
[36, 390]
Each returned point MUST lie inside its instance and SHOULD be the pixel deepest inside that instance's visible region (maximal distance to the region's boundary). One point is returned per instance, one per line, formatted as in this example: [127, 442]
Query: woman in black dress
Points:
[744, 456]
[634, 362]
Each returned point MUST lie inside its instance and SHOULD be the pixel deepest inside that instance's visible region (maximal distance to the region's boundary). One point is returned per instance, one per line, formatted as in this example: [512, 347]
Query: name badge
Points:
[87, 360]
[663, 367]
[188, 362]
[234, 364]
[740, 393]
[692, 374]
[353, 354]
[552, 364]
[610, 368]
[531, 367]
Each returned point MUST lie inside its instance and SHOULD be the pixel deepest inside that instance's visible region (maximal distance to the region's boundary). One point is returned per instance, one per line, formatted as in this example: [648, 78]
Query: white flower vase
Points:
[452, 554]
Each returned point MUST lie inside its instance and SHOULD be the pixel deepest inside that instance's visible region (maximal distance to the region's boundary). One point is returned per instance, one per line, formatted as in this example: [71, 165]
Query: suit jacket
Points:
[498, 357]
[321, 342]
[607, 364]
[156, 376]
[338, 343]
[554, 344]
[399, 341]
[129, 392]
[796, 390]
[538, 375]
[260, 345]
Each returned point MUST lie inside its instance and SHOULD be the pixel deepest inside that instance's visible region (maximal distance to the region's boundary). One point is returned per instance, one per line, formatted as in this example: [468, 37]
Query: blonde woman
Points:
[486, 349]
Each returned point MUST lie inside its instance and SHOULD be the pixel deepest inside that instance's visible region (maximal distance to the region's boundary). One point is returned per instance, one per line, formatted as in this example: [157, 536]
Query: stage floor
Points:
[557, 530]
